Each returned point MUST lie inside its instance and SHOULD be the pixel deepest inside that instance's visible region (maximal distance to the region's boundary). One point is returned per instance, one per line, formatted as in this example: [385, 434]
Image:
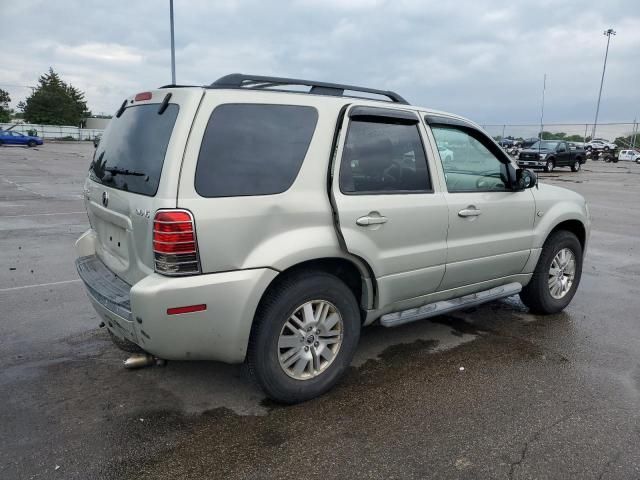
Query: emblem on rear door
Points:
[105, 199]
[143, 213]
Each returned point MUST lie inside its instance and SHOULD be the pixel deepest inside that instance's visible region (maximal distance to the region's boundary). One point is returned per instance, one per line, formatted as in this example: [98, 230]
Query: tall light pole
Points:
[607, 33]
[173, 49]
[544, 87]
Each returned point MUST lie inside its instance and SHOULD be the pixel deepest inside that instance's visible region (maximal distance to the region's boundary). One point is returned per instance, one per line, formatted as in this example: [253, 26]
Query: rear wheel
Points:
[556, 276]
[306, 332]
[549, 166]
[576, 166]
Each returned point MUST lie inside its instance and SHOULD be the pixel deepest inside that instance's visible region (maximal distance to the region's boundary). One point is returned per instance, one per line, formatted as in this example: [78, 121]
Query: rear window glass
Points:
[253, 149]
[131, 152]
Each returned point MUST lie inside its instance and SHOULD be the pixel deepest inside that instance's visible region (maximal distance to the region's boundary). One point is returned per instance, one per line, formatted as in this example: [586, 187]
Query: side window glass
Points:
[253, 149]
[383, 158]
[469, 166]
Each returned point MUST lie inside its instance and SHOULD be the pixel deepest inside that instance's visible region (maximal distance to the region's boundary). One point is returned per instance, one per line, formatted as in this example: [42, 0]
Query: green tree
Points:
[5, 111]
[628, 140]
[54, 102]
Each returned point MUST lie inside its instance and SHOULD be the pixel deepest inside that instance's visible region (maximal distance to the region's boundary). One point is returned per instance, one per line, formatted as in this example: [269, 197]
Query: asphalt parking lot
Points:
[539, 397]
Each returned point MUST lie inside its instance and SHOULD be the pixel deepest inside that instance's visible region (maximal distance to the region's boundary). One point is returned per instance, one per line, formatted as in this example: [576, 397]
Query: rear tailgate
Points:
[134, 172]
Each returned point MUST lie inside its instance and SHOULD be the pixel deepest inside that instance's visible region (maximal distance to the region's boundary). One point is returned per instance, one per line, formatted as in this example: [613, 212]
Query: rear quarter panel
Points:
[274, 231]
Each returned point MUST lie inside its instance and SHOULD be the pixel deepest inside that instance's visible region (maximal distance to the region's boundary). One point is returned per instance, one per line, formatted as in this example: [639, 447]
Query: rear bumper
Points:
[139, 312]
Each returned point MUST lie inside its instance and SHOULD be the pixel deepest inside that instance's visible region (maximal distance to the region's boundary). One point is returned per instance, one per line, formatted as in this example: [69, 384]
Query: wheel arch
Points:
[574, 226]
[356, 275]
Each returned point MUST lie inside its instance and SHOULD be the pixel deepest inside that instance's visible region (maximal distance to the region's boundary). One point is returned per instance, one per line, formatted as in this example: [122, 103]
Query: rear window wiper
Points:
[124, 171]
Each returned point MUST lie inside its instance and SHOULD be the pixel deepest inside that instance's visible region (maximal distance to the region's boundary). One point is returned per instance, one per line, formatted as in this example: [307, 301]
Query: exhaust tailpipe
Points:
[139, 360]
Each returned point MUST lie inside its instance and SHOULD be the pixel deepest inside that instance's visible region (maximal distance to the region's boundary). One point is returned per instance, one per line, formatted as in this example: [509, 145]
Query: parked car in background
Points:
[527, 142]
[600, 144]
[224, 231]
[506, 142]
[629, 155]
[8, 137]
[549, 154]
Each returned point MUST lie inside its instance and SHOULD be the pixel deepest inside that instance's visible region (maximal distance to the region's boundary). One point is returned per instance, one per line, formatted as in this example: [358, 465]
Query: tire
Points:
[550, 165]
[589, 148]
[31, 143]
[614, 159]
[606, 149]
[1, 143]
[537, 295]
[576, 166]
[267, 360]
[124, 345]
[638, 160]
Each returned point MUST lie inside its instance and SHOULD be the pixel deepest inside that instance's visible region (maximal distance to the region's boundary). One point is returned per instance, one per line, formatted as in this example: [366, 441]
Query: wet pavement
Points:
[538, 397]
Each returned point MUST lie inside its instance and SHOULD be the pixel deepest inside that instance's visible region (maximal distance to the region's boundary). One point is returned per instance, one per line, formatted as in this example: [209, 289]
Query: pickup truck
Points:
[549, 154]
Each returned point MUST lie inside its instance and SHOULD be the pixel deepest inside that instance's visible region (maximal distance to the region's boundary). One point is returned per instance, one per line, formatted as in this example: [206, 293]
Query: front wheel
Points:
[31, 144]
[576, 166]
[557, 274]
[305, 335]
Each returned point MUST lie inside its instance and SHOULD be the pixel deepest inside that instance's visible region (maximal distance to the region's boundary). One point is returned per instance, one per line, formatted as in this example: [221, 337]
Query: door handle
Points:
[469, 212]
[371, 220]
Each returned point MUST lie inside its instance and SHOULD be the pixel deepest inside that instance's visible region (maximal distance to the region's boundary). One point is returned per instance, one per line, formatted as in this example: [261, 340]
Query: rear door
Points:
[134, 172]
[490, 225]
[390, 213]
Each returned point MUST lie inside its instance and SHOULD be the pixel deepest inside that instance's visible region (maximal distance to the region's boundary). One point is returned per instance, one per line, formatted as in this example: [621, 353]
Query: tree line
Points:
[51, 102]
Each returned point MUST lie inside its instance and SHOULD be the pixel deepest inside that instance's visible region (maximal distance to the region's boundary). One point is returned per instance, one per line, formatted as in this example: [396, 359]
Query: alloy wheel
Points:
[562, 273]
[310, 339]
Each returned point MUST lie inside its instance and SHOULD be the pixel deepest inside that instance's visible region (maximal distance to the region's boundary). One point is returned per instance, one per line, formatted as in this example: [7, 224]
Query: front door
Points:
[490, 225]
[563, 155]
[389, 213]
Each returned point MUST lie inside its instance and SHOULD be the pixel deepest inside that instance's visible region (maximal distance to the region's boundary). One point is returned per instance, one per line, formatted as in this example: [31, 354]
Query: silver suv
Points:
[267, 220]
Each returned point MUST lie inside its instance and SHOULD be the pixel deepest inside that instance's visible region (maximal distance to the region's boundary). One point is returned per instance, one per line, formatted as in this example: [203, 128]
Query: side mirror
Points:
[525, 178]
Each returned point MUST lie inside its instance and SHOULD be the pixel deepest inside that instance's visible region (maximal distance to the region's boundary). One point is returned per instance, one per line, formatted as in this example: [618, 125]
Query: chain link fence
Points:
[625, 135]
[52, 132]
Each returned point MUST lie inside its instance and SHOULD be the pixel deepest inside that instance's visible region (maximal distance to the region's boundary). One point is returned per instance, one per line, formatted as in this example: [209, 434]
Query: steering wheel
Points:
[483, 183]
[387, 176]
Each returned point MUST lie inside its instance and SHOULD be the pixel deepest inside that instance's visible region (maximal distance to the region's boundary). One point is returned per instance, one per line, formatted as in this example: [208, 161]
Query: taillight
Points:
[175, 248]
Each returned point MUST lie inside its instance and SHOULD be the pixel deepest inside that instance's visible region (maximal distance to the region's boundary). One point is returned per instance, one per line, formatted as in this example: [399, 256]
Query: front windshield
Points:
[545, 145]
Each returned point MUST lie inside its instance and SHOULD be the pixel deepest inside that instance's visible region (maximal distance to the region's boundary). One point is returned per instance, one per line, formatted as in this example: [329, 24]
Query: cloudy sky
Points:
[484, 59]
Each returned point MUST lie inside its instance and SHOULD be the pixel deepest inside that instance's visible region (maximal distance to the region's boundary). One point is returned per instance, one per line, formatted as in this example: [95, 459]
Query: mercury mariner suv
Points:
[267, 220]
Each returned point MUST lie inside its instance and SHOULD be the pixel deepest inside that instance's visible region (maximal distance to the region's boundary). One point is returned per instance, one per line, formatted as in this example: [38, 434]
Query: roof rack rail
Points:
[239, 80]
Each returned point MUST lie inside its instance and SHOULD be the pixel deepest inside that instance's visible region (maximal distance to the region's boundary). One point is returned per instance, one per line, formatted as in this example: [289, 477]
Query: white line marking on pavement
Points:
[41, 214]
[11, 289]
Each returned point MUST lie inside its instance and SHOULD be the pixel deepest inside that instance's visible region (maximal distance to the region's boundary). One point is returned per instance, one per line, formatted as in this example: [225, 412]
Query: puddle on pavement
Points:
[192, 388]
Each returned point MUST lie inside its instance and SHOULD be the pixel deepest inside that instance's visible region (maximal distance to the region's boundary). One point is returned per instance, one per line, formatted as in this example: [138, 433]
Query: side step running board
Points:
[446, 306]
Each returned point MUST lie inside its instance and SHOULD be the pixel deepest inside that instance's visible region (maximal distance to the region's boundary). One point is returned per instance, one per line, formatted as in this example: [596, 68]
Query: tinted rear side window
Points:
[253, 149]
[131, 152]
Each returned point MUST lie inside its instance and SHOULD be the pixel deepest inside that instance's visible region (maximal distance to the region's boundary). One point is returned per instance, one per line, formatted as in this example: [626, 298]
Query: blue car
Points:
[7, 137]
